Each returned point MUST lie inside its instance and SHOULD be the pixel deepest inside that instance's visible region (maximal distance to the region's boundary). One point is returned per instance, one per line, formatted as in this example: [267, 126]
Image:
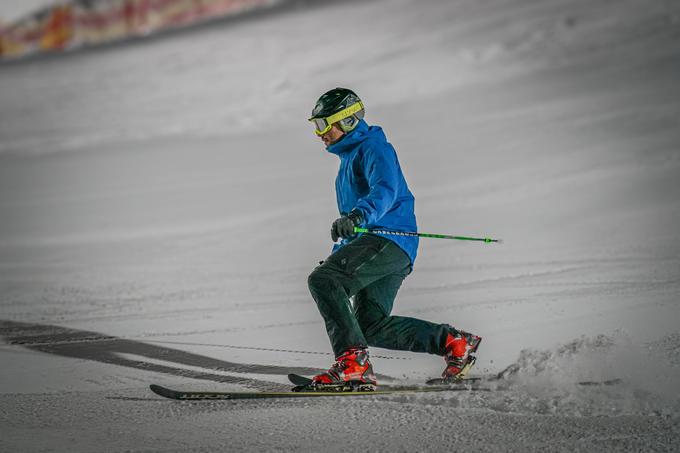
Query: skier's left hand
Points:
[344, 226]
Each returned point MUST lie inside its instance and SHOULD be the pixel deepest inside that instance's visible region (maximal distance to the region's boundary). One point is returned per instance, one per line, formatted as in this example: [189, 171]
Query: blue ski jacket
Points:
[370, 180]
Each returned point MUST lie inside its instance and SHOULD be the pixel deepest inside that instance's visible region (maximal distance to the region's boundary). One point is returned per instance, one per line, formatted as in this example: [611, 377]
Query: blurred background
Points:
[159, 182]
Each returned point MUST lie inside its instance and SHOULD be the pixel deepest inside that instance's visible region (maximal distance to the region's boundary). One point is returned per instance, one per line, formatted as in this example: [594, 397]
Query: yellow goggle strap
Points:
[341, 115]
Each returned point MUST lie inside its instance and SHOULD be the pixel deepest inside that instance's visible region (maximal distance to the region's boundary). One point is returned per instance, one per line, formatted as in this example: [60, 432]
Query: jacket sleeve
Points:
[379, 164]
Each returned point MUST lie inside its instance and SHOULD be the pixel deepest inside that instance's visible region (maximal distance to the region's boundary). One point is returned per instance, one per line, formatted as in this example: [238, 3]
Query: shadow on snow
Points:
[82, 344]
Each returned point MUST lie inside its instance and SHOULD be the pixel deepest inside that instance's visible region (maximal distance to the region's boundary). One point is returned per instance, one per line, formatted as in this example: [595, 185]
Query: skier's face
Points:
[333, 135]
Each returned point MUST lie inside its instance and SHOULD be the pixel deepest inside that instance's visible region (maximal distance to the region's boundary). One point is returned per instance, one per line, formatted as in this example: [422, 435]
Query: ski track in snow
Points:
[163, 202]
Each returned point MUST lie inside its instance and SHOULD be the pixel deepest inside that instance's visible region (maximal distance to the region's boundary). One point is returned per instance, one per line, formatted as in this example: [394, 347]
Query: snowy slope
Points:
[162, 204]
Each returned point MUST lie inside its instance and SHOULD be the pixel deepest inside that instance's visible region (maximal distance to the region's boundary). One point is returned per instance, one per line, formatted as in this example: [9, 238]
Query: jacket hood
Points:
[360, 133]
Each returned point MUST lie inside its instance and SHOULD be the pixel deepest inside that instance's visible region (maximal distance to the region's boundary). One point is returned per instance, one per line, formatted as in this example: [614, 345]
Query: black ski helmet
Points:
[339, 105]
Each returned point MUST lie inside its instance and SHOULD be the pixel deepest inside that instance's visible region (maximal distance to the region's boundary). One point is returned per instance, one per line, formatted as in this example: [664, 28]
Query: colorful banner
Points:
[78, 23]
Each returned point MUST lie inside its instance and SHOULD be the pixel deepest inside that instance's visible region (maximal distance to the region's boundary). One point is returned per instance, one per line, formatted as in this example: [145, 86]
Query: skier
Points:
[371, 193]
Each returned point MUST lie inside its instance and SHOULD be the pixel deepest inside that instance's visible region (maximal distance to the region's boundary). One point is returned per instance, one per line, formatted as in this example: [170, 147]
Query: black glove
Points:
[344, 226]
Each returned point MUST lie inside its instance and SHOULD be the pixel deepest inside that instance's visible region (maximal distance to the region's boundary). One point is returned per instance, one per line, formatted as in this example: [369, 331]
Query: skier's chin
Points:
[328, 141]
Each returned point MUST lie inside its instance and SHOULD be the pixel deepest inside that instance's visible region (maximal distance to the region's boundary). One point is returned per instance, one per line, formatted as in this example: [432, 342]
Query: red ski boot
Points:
[352, 371]
[459, 347]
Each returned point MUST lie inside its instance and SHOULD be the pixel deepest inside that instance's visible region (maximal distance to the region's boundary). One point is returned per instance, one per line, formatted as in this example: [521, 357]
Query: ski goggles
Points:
[323, 125]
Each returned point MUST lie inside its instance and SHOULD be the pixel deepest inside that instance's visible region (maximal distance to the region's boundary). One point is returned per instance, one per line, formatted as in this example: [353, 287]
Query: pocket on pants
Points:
[351, 257]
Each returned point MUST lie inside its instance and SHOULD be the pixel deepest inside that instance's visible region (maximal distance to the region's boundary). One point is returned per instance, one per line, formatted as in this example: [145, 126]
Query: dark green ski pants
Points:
[370, 268]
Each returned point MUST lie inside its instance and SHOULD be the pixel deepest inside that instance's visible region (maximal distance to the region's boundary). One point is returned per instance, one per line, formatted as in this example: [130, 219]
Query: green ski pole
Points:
[426, 235]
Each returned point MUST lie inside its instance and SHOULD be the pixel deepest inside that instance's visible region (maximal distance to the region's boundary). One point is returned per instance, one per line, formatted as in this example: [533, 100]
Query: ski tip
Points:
[162, 391]
[157, 389]
[298, 380]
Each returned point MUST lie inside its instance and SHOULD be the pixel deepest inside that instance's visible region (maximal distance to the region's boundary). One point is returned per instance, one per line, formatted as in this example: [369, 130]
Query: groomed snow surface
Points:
[162, 203]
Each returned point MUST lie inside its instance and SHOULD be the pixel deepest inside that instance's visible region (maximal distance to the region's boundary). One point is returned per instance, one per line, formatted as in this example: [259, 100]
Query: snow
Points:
[162, 203]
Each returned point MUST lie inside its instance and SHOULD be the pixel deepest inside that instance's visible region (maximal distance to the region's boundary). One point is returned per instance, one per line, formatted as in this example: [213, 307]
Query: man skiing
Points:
[371, 193]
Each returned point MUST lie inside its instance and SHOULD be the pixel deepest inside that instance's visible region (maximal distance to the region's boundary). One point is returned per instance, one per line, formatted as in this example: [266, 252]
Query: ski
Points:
[298, 380]
[442, 381]
[302, 382]
[184, 395]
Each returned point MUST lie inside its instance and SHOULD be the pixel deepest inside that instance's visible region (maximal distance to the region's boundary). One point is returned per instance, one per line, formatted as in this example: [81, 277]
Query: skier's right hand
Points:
[344, 226]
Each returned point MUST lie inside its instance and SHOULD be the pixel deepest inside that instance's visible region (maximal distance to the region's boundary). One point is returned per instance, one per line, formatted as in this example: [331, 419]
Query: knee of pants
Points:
[320, 282]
